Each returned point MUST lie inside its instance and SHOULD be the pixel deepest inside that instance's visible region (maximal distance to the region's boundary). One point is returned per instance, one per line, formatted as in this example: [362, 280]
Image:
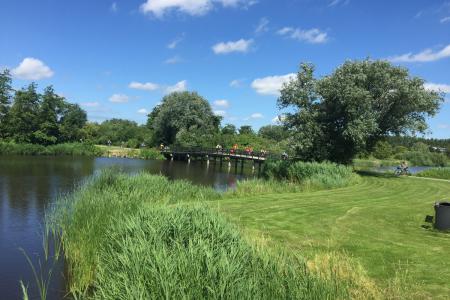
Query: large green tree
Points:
[5, 101]
[273, 132]
[23, 116]
[72, 121]
[337, 116]
[50, 111]
[182, 112]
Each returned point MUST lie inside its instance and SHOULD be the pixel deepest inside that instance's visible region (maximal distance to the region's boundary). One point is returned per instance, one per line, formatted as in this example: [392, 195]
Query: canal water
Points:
[28, 185]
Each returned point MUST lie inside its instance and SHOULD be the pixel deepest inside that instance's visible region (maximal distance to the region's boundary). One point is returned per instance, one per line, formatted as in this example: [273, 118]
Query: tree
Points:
[49, 117]
[382, 150]
[5, 101]
[246, 129]
[23, 115]
[273, 132]
[229, 129]
[186, 111]
[348, 111]
[72, 122]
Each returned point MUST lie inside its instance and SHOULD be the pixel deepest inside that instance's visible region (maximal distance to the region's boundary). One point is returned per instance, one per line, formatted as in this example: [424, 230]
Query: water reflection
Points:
[29, 184]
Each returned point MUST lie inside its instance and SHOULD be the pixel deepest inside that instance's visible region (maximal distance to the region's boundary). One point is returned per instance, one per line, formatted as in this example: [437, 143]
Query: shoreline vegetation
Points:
[145, 236]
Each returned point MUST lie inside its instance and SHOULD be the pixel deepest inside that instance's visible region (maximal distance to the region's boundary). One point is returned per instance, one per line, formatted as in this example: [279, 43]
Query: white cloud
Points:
[256, 116]
[338, 2]
[236, 83]
[222, 103]
[221, 113]
[173, 44]
[443, 88]
[114, 7]
[426, 55]
[119, 98]
[90, 104]
[173, 60]
[159, 8]
[32, 69]
[178, 87]
[263, 26]
[271, 85]
[444, 126]
[146, 86]
[236, 46]
[278, 119]
[142, 111]
[445, 20]
[312, 36]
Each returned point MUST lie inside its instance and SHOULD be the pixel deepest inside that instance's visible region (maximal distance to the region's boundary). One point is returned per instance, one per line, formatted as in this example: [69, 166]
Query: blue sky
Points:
[119, 58]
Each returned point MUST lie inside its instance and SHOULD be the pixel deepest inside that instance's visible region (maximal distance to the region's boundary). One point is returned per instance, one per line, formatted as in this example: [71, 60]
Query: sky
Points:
[117, 59]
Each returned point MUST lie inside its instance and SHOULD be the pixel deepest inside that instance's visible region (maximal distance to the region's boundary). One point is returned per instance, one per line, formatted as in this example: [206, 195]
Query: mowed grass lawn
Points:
[376, 222]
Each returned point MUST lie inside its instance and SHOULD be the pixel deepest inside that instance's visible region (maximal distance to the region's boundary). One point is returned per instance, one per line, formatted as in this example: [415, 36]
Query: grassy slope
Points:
[377, 222]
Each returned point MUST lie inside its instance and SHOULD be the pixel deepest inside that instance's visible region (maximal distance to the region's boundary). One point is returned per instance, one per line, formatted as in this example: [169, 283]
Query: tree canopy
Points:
[181, 114]
[339, 115]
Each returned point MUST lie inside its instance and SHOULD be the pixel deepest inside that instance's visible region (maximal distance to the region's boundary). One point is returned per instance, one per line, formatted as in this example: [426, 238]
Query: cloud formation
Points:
[147, 86]
[427, 55]
[180, 86]
[142, 111]
[159, 8]
[311, 36]
[222, 103]
[32, 69]
[90, 104]
[437, 87]
[119, 98]
[256, 116]
[263, 26]
[271, 85]
[241, 45]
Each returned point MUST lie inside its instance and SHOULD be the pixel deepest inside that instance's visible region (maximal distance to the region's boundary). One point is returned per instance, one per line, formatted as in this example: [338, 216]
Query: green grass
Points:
[377, 223]
[144, 237]
[145, 153]
[440, 173]
[52, 150]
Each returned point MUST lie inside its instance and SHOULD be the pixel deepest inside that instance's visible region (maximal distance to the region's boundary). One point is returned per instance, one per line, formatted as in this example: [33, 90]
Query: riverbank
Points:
[358, 241]
[78, 149]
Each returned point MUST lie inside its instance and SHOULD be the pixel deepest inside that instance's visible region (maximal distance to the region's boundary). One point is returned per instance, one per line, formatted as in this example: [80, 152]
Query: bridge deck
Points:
[221, 153]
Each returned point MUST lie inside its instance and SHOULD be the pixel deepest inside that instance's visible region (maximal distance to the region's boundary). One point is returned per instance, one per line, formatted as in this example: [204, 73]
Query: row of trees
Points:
[334, 118]
[29, 117]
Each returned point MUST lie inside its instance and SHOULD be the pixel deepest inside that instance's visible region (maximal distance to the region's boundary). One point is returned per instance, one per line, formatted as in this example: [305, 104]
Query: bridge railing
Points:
[226, 152]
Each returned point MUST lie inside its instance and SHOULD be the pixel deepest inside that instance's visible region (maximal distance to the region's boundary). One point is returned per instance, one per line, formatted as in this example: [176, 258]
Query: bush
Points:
[440, 173]
[382, 150]
[59, 149]
[312, 173]
[419, 158]
[150, 153]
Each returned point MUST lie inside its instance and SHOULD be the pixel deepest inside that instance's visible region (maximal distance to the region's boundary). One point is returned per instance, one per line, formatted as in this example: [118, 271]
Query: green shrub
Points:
[441, 173]
[150, 153]
[59, 149]
[382, 150]
[321, 174]
[420, 158]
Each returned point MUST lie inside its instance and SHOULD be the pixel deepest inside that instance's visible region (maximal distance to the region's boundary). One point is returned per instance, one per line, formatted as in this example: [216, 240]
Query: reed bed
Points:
[145, 237]
[439, 173]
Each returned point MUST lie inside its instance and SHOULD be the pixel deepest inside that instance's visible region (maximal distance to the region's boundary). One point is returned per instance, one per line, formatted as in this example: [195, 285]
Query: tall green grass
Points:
[145, 237]
[59, 149]
[310, 174]
[150, 153]
[440, 173]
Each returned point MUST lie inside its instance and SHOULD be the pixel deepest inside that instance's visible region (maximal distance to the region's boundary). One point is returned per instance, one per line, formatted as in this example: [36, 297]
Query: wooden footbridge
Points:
[218, 155]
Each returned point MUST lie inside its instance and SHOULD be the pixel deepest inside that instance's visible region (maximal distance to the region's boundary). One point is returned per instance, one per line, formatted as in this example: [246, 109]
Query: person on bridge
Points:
[233, 150]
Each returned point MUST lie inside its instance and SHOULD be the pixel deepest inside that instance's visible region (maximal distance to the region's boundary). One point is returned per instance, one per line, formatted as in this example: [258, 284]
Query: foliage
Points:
[311, 173]
[273, 132]
[186, 111]
[246, 130]
[30, 117]
[59, 149]
[150, 153]
[5, 101]
[347, 112]
[382, 150]
[418, 158]
[229, 129]
[121, 240]
[440, 173]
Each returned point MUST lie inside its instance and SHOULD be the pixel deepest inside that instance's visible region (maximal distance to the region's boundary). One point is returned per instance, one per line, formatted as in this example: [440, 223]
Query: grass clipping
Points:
[143, 237]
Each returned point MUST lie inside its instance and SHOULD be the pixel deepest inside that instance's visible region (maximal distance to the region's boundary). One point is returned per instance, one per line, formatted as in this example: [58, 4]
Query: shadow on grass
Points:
[368, 173]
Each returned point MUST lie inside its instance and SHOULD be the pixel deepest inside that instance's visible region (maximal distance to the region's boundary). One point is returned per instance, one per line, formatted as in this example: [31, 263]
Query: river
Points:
[29, 184]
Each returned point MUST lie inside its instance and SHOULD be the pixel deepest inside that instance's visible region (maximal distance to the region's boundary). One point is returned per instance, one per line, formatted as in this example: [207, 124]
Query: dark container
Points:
[442, 219]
